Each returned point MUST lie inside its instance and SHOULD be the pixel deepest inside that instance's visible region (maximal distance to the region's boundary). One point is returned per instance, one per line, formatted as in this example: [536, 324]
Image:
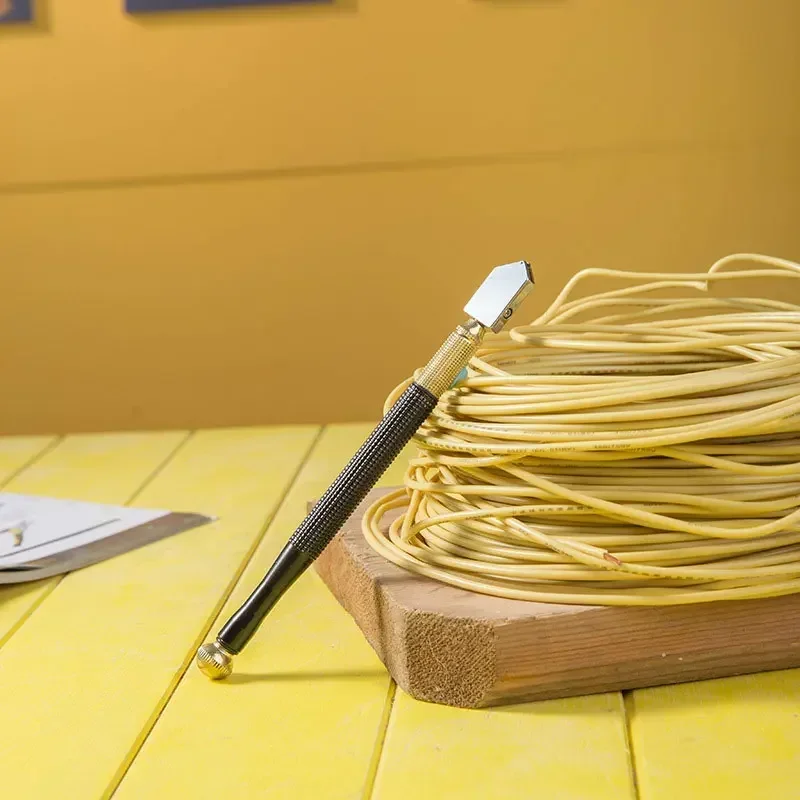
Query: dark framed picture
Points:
[12, 11]
[140, 6]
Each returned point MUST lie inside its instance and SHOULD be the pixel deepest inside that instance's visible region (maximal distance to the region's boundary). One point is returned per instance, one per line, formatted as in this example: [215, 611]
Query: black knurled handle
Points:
[366, 467]
[332, 511]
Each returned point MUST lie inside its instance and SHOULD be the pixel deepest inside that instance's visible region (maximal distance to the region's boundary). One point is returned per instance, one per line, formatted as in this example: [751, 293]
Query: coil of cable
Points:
[637, 446]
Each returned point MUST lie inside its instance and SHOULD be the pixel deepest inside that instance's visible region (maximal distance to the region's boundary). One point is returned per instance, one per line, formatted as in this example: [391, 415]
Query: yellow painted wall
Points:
[264, 215]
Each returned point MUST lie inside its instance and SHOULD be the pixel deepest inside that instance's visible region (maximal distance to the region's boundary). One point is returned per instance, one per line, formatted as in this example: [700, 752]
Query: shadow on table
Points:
[601, 703]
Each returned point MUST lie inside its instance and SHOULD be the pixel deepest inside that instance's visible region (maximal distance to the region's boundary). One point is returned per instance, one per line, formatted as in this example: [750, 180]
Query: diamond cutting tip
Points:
[500, 294]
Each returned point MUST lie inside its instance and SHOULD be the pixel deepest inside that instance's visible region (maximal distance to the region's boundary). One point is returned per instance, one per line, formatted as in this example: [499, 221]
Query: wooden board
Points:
[449, 646]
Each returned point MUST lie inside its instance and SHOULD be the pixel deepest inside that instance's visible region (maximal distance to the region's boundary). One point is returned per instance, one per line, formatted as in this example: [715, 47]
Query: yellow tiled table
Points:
[99, 696]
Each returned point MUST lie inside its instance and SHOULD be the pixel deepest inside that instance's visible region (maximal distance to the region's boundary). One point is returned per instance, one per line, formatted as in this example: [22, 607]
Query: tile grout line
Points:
[56, 579]
[152, 721]
[626, 702]
[380, 741]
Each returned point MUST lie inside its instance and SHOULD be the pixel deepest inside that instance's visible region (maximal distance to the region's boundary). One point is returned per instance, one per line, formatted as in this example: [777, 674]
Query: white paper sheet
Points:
[33, 527]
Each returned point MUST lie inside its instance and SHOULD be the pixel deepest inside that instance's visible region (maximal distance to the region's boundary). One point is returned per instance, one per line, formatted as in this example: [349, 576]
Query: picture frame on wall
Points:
[15, 11]
[143, 6]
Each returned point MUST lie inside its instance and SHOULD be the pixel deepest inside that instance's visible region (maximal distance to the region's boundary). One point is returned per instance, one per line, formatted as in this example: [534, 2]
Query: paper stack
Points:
[42, 536]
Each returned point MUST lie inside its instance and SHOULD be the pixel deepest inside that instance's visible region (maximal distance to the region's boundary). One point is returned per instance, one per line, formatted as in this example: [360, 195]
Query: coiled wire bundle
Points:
[623, 449]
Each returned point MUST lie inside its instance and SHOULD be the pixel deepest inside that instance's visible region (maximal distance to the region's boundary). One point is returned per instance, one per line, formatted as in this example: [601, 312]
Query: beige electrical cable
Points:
[648, 454]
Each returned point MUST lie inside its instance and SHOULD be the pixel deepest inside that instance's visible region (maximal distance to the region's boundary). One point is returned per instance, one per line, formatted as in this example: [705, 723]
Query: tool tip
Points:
[500, 294]
[214, 661]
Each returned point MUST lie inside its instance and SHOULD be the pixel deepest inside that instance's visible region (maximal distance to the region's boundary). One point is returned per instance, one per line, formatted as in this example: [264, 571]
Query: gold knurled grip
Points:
[459, 347]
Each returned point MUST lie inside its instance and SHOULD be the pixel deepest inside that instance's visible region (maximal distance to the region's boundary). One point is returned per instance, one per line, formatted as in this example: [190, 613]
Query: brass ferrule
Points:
[459, 347]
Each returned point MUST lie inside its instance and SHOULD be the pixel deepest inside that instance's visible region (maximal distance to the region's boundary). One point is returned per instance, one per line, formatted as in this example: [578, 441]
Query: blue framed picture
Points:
[12, 11]
[138, 6]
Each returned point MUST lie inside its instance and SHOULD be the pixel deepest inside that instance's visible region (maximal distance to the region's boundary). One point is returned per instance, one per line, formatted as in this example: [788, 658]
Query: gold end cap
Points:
[214, 661]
